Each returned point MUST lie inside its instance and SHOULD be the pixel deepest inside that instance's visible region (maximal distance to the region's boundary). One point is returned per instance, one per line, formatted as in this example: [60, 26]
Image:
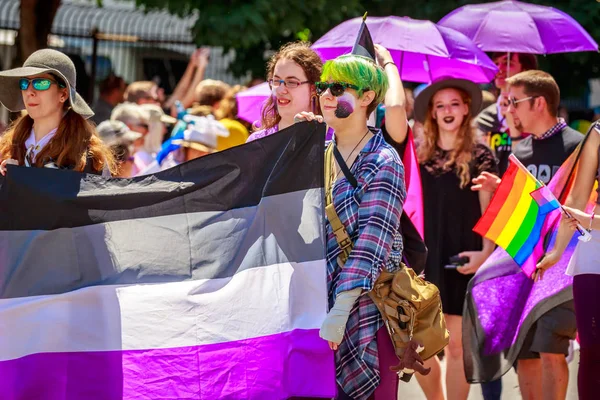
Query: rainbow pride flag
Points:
[516, 215]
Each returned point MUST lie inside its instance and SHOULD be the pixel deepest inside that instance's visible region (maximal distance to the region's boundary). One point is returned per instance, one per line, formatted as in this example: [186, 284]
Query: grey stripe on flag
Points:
[281, 228]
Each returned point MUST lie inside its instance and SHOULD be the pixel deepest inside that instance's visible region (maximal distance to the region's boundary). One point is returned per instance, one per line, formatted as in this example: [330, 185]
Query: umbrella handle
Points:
[507, 69]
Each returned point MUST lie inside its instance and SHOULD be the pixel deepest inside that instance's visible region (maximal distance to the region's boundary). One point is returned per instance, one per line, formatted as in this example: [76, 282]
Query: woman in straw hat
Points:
[54, 132]
[449, 157]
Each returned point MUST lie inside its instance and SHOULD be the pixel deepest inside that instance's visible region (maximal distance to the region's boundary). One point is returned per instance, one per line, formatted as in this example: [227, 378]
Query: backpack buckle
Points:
[342, 238]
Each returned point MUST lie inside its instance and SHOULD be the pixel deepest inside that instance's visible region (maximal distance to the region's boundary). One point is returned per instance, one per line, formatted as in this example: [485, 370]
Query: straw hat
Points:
[424, 97]
[46, 61]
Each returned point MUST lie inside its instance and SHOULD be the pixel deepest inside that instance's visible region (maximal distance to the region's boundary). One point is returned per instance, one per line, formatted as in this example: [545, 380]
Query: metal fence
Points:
[118, 39]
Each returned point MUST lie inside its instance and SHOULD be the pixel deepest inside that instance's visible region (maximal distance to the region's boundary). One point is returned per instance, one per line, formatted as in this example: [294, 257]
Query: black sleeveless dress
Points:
[450, 214]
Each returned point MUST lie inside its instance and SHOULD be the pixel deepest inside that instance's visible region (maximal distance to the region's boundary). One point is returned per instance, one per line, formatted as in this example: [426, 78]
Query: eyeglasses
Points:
[513, 101]
[38, 83]
[288, 83]
[336, 88]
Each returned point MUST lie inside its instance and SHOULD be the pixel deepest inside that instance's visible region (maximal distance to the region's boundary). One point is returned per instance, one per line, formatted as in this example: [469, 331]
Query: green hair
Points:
[359, 71]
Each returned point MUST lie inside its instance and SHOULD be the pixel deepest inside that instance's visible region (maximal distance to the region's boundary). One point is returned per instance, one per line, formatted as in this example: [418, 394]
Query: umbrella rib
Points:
[428, 68]
[401, 62]
[448, 55]
[480, 27]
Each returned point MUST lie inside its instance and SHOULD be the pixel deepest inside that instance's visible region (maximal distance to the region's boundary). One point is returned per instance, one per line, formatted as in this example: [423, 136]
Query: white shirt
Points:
[33, 147]
[169, 162]
[586, 258]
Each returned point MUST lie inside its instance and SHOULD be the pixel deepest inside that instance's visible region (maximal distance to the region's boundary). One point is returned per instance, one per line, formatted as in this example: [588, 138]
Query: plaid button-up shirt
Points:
[558, 127]
[371, 214]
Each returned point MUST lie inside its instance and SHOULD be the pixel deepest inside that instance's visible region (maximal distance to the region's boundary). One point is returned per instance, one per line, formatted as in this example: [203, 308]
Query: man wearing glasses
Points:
[533, 98]
[498, 128]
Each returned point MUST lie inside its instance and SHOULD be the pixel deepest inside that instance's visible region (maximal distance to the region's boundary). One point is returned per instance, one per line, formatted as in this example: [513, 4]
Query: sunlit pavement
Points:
[510, 385]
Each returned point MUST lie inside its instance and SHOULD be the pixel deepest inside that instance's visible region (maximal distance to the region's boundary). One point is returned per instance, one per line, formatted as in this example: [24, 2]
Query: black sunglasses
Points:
[512, 101]
[336, 88]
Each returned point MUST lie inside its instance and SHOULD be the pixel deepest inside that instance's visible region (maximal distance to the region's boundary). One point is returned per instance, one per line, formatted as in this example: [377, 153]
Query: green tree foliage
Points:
[571, 70]
[254, 28]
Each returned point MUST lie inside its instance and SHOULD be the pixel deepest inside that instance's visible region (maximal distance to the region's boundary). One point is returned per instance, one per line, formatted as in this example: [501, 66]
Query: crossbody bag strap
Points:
[339, 230]
[344, 167]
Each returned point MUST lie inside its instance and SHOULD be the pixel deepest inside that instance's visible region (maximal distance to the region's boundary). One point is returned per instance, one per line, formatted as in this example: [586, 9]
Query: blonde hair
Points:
[139, 90]
[210, 91]
[228, 106]
[462, 154]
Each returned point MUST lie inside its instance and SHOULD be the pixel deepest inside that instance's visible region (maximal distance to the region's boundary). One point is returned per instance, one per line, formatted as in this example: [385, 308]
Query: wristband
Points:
[389, 62]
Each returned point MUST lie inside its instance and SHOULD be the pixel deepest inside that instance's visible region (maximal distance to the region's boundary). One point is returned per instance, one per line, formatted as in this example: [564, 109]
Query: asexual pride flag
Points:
[206, 281]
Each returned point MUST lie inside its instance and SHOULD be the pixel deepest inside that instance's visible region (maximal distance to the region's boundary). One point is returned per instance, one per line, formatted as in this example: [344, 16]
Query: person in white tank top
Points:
[584, 265]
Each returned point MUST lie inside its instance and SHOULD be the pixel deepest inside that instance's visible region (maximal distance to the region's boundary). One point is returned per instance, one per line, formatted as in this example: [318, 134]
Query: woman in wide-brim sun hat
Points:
[54, 132]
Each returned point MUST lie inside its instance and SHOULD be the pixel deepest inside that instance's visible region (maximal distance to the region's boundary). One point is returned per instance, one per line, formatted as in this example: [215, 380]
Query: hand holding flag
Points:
[517, 214]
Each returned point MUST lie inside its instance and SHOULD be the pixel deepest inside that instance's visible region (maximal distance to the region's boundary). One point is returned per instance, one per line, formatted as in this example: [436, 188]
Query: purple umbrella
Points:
[250, 102]
[422, 50]
[512, 26]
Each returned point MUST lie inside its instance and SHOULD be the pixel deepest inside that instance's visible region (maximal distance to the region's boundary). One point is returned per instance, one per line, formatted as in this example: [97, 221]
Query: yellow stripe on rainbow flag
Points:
[518, 214]
[508, 205]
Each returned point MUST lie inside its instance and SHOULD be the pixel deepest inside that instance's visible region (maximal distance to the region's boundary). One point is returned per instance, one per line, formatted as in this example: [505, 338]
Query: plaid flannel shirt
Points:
[371, 214]
[557, 128]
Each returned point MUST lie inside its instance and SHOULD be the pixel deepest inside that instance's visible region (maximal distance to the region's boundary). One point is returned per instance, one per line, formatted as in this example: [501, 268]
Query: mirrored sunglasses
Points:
[336, 88]
[38, 83]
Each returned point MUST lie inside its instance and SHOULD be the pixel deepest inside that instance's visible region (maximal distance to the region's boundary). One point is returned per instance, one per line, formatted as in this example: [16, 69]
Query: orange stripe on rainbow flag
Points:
[513, 190]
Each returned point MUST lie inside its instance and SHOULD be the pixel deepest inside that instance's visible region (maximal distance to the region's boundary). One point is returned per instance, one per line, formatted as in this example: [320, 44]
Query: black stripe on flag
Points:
[258, 205]
[288, 161]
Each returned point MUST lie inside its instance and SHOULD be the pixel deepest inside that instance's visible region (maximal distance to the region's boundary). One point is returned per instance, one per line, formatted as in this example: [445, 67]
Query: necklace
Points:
[334, 177]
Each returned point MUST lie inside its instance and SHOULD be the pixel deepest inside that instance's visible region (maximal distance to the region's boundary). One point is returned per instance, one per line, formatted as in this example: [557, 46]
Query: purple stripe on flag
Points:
[297, 363]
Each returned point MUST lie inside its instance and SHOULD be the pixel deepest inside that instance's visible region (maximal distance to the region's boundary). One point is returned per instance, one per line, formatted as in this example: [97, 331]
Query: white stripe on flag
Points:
[256, 302]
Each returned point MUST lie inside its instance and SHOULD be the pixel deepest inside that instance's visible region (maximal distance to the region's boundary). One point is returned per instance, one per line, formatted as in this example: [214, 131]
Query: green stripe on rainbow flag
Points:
[513, 217]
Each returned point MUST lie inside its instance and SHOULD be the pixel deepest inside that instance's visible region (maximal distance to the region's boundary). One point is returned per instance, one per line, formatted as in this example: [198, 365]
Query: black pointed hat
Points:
[364, 43]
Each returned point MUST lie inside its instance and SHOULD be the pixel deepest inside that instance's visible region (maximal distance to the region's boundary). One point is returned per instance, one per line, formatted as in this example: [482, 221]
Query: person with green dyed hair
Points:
[360, 72]
[350, 89]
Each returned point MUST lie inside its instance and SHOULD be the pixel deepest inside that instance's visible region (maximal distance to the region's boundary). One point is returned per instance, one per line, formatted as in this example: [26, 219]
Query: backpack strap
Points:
[339, 230]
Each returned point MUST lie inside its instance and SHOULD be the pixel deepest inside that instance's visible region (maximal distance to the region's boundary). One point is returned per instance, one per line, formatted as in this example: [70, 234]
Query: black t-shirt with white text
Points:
[544, 157]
